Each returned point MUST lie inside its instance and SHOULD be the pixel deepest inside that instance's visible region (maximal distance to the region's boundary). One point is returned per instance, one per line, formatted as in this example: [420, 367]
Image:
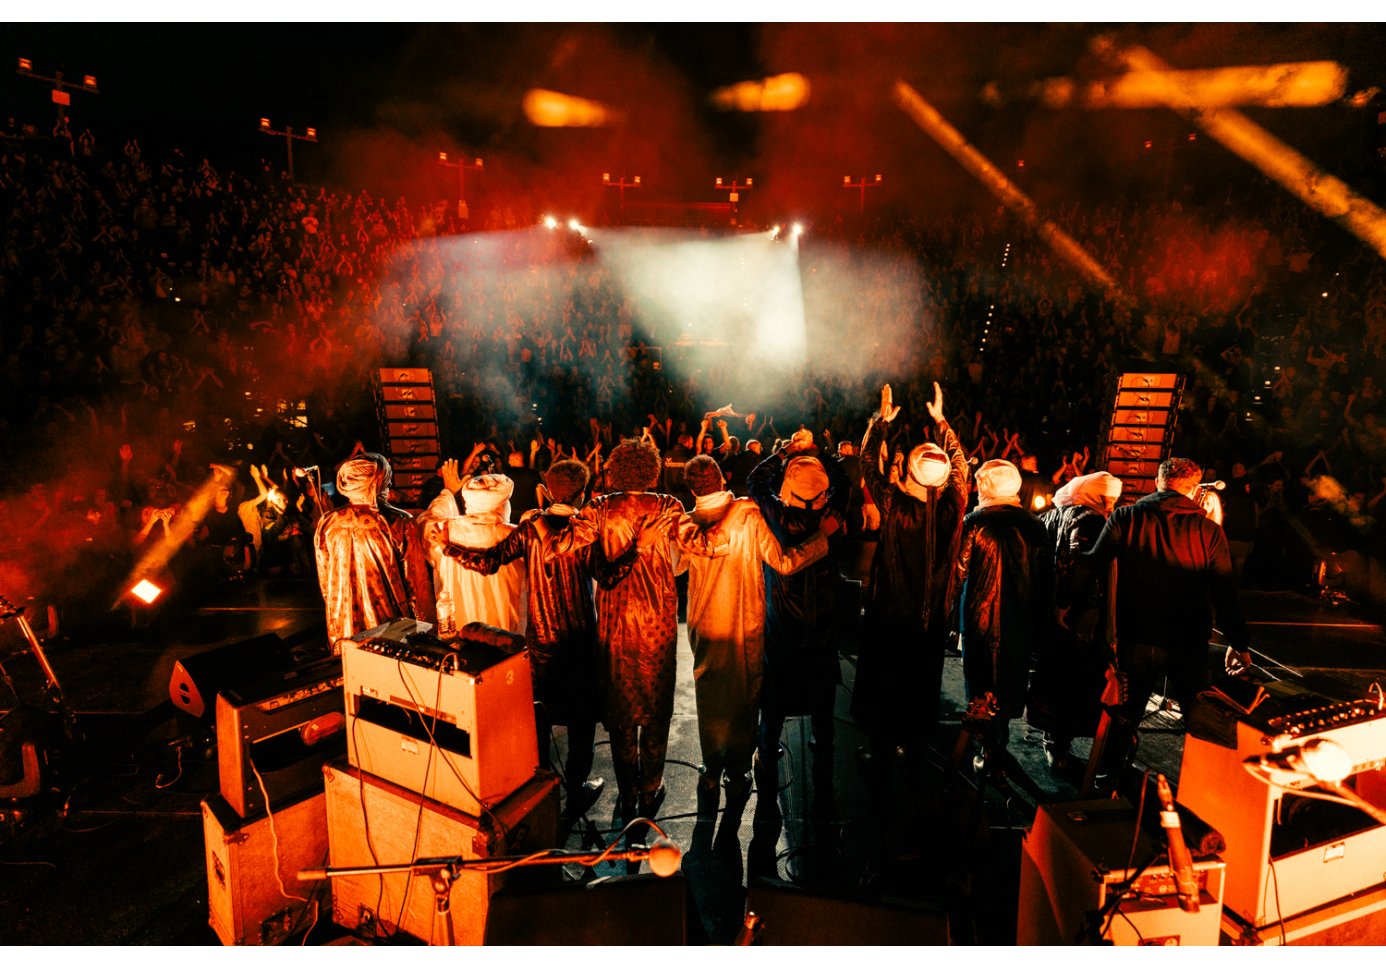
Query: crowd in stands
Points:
[160, 315]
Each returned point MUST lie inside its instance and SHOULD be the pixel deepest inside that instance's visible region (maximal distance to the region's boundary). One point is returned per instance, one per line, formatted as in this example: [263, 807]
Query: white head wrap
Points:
[805, 483]
[1089, 491]
[359, 480]
[998, 482]
[488, 494]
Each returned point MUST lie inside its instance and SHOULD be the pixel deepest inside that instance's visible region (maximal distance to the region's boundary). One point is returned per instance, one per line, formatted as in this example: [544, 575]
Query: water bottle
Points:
[447, 620]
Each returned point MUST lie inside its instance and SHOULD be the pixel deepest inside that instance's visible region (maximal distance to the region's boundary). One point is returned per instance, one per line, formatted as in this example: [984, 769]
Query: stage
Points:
[117, 858]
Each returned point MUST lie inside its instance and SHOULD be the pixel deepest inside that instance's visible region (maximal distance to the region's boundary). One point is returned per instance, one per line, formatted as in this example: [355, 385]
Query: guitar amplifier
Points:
[1074, 868]
[1289, 856]
[283, 727]
[455, 724]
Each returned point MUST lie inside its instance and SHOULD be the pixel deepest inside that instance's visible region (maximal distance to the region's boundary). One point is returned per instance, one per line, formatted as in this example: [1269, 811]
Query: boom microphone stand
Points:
[664, 857]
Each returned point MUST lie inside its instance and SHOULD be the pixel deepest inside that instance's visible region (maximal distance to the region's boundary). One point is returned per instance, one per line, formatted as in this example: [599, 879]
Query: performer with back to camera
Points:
[562, 623]
[1004, 594]
[796, 492]
[1066, 688]
[360, 566]
[1173, 576]
[495, 598]
[726, 629]
[906, 632]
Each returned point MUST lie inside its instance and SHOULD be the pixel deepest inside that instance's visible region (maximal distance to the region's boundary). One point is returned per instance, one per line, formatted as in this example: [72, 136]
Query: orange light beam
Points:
[951, 140]
[1319, 190]
[1297, 84]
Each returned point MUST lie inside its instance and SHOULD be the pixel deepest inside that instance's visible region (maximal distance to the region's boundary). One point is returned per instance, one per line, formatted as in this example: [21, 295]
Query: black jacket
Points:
[909, 574]
[1174, 573]
[1005, 579]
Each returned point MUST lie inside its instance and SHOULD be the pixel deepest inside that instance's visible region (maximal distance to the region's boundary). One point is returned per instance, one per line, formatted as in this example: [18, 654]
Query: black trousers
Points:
[1188, 669]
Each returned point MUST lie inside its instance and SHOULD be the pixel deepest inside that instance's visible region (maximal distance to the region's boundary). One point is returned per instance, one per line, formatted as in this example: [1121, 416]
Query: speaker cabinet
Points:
[253, 865]
[372, 822]
[197, 679]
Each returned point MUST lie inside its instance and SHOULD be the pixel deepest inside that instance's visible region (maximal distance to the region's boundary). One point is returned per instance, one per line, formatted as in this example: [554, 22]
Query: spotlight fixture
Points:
[550, 222]
[146, 591]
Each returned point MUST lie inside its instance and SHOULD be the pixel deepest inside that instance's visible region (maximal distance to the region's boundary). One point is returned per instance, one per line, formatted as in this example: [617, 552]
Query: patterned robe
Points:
[562, 622]
[637, 618]
[359, 571]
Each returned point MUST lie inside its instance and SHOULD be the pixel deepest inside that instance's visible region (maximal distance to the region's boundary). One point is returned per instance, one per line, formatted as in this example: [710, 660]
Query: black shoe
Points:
[581, 799]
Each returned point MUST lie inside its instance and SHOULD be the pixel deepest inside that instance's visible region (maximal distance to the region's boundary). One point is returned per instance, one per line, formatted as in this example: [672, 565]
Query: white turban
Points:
[998, 482]
[359, 480]
[1089, 491]
[488, 494]
[805, 483]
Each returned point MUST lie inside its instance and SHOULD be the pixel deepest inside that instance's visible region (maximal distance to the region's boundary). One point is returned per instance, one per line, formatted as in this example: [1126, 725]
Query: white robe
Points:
[726, 623]
[497, 599]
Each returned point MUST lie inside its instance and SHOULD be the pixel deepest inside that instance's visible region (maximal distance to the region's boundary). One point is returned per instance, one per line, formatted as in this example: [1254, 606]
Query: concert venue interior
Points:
[240, 259]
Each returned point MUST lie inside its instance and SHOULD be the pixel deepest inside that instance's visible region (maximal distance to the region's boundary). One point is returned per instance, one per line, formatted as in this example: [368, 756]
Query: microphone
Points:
[1213, 486]
[1185, 881]
[305, 471]
[664, 856]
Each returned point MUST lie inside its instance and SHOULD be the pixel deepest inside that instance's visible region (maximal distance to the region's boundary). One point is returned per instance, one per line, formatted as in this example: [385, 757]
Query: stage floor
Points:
[117, 858]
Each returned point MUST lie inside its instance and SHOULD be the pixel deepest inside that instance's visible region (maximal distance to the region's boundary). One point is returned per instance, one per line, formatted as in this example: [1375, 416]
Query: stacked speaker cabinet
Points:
[409, 426]
[1078, 885]
[442, 761]
[253, 893]
[1141, 430]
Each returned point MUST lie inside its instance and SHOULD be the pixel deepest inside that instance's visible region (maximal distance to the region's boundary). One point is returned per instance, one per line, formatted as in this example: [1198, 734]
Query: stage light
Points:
[550, 222]
[551, 109]
[782, 92]
[1039, 501]
[25, 64]
[88, 80]
[264, 124]
[798, 230]
[575, 225]
[146, 591]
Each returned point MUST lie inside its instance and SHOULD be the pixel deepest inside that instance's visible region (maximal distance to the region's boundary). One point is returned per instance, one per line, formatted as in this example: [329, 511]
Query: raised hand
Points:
[452, 480]
[888, 410]
[936, 408]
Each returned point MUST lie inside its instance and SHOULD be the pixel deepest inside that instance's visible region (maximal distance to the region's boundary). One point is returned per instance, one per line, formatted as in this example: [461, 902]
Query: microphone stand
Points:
[443, 871]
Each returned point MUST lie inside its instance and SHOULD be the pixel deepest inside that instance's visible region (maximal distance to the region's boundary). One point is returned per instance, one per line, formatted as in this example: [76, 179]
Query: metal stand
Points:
[443, 871]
